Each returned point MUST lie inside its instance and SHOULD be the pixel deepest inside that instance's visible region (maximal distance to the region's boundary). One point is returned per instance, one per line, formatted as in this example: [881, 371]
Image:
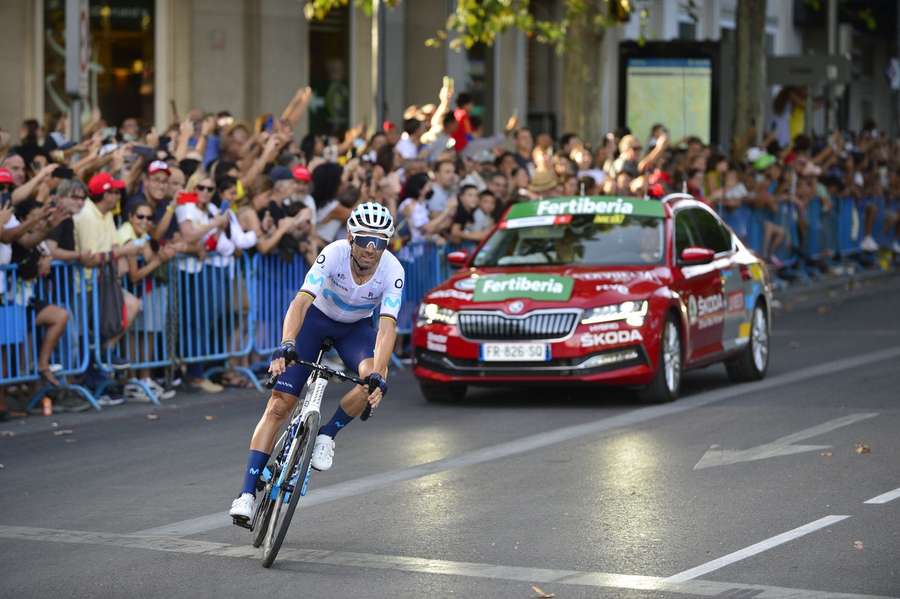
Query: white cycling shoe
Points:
[242, 507]
[323, 453]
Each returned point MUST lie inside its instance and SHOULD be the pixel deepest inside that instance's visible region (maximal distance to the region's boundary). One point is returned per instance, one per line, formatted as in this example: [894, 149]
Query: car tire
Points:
[666, 382]
[753, 361]
[442, 392]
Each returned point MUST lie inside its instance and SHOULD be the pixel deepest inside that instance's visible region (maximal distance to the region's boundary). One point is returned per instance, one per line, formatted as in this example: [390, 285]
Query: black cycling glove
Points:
[376, 380]
[288, 351]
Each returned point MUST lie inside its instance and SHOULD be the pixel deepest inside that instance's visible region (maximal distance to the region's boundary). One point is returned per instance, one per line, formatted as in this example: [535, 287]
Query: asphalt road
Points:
[776, 489]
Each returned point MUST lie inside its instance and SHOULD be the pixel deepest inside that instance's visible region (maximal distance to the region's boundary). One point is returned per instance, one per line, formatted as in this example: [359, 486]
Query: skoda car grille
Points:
[536, 325]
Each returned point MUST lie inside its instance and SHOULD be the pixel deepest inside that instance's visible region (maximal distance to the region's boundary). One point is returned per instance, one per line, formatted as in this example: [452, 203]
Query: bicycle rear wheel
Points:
[297, 467]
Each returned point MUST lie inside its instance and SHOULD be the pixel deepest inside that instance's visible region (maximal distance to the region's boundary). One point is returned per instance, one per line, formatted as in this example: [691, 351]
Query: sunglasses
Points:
[78, 197]
[206, 188]
[364, 241]
[143, 216]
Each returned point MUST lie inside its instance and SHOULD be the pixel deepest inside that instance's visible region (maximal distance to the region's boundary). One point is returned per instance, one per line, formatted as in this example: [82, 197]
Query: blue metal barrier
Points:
[882, 237]
[18, 350]
[146, 343]
[739, 219]
[217, 311]
[819, 241]
[425, 266]
[849, 227]
[277, 284]
[22, 302]
[787, 219]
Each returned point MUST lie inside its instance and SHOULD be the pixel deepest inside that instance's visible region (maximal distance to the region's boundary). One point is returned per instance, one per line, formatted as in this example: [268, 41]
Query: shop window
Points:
[329, 73]
[122, 59]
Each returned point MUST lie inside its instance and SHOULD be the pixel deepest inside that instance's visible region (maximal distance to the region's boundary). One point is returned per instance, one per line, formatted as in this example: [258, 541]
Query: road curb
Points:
[821, 290]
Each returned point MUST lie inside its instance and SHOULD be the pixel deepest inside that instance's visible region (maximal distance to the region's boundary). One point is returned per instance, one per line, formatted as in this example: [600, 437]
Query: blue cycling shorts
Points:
[354, 342]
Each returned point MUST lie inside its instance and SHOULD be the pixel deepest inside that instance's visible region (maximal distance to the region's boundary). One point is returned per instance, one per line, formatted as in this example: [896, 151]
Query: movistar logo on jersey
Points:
[392, 302]
[347, 307]
[530, 286]
[315, 279]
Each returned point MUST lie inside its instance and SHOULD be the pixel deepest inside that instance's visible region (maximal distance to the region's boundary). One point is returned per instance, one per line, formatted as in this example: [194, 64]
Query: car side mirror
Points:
[697, 255]
[458, 258]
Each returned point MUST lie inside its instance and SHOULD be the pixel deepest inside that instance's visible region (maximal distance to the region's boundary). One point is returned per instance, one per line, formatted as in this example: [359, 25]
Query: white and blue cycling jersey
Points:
[330, 282]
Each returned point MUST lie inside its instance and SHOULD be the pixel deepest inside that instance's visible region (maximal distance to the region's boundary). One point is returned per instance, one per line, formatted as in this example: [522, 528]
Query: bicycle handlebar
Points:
[350, 378]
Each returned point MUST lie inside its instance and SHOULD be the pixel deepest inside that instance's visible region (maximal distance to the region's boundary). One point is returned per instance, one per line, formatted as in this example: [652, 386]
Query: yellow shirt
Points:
[94, 231]
[797, 123]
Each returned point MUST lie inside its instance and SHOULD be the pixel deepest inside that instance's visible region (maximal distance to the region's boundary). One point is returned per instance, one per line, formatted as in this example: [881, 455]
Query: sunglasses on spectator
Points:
[78, 197]
[206, 188]
[143, 216]
[364, 241]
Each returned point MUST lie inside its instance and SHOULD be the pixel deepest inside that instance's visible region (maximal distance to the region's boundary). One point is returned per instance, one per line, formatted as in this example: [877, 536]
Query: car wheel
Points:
[753, 361]
[667, 381]
[442, 392]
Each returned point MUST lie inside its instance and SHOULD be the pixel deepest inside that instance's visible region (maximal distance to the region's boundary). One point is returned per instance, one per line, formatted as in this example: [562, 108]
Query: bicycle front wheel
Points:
[297, 468]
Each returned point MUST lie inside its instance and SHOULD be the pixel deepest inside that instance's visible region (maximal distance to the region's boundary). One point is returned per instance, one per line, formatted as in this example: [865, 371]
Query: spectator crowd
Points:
[211, 188]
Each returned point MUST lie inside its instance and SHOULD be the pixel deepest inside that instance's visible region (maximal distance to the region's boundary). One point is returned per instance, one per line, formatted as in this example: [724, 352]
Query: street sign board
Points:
[807, 70]
[78, 47]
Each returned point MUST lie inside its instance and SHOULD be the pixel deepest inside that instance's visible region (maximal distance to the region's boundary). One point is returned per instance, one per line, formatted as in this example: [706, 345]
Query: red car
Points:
[597, 290]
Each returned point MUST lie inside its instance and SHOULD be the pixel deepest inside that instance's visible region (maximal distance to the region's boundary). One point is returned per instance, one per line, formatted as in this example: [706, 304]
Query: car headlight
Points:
[429, 313]
[632, 312]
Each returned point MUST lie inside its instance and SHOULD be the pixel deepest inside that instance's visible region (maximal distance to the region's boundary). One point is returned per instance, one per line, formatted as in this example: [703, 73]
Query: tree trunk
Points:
[583, 76]
[749, 68]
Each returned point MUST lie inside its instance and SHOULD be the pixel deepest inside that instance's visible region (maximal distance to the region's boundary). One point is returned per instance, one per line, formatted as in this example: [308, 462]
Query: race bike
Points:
[285, 478]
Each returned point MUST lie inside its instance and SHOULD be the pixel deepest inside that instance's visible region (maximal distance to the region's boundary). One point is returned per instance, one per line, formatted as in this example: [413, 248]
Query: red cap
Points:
[6, 176]
[158, 166]
[388, 125]
[301, 173]
[103, 182]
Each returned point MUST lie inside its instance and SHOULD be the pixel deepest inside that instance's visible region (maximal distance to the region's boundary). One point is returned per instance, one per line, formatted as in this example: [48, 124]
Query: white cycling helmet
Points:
[371, 218]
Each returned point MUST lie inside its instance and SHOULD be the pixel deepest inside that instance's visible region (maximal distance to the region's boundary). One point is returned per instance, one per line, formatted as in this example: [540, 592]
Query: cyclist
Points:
[349, 280]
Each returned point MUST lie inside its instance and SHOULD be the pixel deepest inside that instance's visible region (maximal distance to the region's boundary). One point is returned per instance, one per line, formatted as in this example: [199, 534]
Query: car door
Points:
[735, 329]
[699, 286]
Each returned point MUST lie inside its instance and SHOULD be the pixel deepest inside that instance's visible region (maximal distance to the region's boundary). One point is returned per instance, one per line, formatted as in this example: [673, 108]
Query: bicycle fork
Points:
[311, 403]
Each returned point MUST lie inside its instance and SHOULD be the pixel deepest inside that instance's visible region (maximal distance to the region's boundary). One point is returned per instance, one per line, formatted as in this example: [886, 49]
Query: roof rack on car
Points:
[677, 196]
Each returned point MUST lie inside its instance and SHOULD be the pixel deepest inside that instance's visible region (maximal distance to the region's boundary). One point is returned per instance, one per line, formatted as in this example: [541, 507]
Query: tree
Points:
[749, 55]
[578, 35]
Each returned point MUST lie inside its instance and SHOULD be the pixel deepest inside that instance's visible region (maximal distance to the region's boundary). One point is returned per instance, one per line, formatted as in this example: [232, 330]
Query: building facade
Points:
[156, 59]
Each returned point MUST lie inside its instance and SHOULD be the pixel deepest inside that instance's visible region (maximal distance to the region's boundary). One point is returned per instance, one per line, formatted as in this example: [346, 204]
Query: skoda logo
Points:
[515, 307]
[692, 309]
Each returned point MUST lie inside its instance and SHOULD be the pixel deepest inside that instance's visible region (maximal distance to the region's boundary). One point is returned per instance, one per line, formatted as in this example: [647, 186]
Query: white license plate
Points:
[515, 352]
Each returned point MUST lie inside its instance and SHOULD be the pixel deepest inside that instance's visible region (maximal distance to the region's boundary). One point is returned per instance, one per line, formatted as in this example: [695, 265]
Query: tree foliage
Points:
[481, 21]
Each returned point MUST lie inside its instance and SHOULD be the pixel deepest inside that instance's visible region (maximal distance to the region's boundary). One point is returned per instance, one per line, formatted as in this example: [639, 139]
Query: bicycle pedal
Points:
[242, 522]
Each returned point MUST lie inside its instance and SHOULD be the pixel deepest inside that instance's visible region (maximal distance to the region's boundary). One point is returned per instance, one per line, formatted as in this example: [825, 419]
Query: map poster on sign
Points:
[674, 91]
[671, 83]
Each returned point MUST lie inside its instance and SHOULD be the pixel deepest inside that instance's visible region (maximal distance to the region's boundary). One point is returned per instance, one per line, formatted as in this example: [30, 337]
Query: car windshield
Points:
[582, 239]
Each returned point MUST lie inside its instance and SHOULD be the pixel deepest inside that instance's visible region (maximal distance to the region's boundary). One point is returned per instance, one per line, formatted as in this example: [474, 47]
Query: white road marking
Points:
[715, 456]
[885, 497]
[727, 560]
[603, 427]
[694, 588]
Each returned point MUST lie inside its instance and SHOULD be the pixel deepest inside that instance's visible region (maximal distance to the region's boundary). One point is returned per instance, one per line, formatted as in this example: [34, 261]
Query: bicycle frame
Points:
[289, 438]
